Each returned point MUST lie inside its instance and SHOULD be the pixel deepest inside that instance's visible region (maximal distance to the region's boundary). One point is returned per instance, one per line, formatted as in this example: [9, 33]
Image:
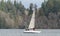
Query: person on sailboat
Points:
[33, 28]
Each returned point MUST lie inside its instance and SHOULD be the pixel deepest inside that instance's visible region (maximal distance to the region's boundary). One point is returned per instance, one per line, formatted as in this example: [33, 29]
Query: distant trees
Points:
[31, 8]
[11, 7]
[51, 6]
[15, 11]
[15, 15]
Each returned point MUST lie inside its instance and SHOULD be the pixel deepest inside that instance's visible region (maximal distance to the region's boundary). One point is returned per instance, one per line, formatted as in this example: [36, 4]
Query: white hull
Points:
[31, 31]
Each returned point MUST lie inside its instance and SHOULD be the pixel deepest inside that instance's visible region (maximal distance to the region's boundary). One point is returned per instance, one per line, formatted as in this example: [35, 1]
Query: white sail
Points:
[32, 22]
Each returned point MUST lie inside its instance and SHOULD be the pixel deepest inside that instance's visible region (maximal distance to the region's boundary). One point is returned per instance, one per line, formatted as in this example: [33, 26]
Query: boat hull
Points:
[30, 31]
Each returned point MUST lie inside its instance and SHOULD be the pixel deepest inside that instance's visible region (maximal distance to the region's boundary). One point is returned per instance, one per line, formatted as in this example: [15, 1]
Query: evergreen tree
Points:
[2, 5]
[31, 8]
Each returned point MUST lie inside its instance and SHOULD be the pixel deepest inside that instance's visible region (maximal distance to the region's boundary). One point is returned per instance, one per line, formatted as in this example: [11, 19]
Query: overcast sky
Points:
[27, 2]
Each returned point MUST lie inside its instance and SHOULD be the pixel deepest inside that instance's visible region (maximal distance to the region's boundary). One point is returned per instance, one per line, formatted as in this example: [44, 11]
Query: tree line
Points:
[15, 15]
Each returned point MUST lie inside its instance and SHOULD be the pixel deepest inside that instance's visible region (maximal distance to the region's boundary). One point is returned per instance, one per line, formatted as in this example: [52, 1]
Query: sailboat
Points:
[31, 27]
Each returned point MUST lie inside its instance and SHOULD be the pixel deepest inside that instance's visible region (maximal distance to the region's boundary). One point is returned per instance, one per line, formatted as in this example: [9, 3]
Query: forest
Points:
[16, 16]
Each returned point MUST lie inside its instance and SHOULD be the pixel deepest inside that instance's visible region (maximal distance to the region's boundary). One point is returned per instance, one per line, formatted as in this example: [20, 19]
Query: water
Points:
[19, 32]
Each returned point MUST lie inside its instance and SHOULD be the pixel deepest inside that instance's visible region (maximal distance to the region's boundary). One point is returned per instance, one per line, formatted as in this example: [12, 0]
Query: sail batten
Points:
[32, 22]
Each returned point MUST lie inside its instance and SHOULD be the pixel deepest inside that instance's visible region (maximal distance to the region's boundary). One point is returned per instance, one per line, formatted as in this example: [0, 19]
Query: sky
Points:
[26, 3]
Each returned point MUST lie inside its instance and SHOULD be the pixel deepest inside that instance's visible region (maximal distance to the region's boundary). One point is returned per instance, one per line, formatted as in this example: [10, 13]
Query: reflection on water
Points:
[20, 32]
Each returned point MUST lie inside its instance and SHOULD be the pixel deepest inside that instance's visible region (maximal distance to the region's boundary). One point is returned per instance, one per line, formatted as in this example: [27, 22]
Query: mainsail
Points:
[32, 22]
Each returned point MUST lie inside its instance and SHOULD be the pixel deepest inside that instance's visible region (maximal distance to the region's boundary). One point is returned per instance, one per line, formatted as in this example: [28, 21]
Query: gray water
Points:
[19, 32]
